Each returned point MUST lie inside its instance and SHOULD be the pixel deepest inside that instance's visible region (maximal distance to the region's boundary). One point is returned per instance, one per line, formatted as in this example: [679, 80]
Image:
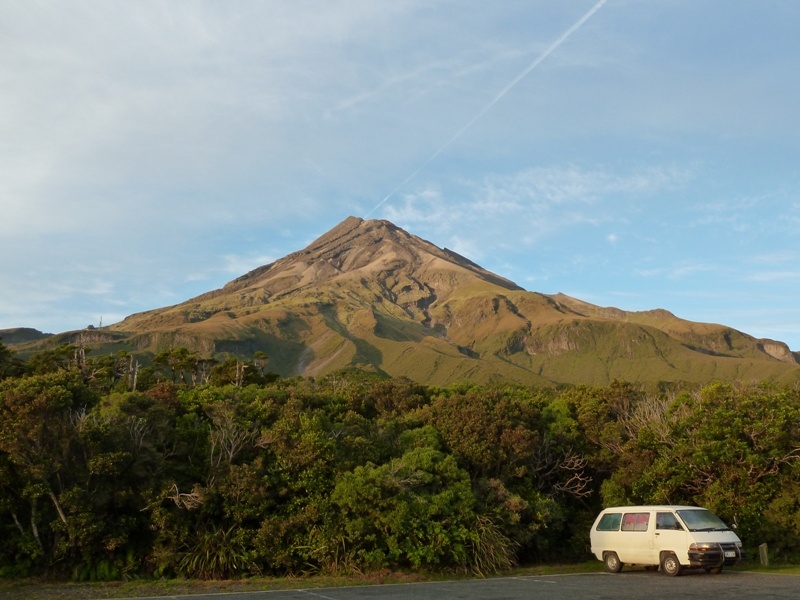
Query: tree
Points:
[489, 434]
[181, 363]
[260, 359]
[518, 470]
[10, 365]
[414, 511]
[37, 432]
[61, 358]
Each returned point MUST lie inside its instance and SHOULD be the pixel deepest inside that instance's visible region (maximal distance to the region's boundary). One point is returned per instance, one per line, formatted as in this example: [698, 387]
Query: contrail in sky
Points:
[548, 51]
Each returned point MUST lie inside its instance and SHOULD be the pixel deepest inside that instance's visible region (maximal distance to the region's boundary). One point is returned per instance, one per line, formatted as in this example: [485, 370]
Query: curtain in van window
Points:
[635, 521]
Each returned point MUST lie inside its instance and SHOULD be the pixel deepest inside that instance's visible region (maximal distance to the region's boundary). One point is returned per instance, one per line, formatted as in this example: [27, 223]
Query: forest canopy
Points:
[213, 469]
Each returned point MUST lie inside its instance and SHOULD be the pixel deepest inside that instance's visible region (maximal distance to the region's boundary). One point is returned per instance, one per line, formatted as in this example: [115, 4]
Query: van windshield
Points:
[702, 520]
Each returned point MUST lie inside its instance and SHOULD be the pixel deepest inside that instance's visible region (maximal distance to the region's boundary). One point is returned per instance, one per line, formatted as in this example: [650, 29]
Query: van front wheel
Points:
[671, 565]
[613, 564]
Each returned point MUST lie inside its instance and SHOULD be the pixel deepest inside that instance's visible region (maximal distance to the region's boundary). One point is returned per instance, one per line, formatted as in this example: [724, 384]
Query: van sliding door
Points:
[633, 537]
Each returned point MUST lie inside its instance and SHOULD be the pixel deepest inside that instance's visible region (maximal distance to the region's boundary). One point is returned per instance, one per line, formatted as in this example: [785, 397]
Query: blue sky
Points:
[629, 153]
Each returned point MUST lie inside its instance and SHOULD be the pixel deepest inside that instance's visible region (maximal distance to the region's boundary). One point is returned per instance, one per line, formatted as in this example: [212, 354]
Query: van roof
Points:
[654, 507]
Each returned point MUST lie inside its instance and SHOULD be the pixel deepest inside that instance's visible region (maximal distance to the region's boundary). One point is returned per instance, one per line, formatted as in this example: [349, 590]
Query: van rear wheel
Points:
[613, 564]
[671, 565]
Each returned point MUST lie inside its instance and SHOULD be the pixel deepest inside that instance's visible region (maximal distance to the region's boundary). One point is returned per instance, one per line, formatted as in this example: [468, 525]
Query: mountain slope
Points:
[369, 294]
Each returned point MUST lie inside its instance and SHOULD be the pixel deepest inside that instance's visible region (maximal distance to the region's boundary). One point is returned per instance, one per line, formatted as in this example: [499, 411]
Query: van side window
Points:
[609, 522]
[667, 521]
[635, 521]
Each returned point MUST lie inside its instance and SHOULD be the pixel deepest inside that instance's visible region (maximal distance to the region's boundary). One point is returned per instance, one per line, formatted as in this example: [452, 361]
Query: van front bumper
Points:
[714, 555]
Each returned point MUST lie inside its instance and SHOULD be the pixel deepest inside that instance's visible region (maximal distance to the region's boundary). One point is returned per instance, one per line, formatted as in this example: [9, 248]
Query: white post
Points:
[762, 553]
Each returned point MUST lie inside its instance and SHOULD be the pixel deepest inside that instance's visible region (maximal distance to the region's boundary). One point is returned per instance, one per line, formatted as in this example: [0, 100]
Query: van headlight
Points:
[703, 547]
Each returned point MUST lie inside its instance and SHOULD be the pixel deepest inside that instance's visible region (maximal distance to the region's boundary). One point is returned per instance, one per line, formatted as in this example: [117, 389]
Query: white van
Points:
[670, 537]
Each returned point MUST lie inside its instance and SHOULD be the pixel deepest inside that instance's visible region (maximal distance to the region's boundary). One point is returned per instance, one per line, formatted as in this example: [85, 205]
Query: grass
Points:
[783, 569]
[41, 589]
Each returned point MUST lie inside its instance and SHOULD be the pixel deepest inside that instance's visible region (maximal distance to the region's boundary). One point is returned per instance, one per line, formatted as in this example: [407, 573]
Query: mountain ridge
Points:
[369, 294]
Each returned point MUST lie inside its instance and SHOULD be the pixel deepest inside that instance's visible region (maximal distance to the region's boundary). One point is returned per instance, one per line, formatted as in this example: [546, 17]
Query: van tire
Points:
[671, 565]
[613, 564]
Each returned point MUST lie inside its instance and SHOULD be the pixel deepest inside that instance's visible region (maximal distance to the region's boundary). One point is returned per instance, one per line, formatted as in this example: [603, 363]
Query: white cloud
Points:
[503, 211]
[98, 96]
[681, 270]
[230, 266]
[239, 264]
[773, 276]
[571, 185]
[426, 208]
[776, 257]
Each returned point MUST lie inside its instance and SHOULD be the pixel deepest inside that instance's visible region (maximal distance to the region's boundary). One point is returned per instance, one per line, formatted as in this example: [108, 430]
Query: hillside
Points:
[21, 335]
[369, 294]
